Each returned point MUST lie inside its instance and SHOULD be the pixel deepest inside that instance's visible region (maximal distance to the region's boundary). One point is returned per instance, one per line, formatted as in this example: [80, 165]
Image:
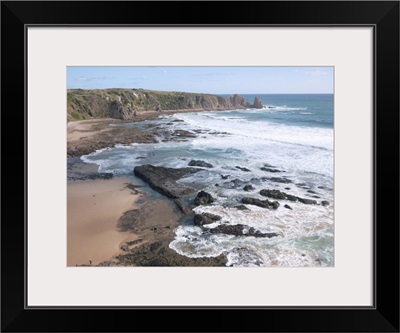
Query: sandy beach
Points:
[93, 211]
[77, 130]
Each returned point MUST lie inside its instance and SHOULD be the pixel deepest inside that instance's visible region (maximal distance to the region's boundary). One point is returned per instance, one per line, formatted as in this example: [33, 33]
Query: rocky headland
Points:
[130, 103]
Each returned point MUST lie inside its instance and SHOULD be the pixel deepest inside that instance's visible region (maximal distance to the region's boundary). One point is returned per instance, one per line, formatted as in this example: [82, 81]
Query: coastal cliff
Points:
[127, 103]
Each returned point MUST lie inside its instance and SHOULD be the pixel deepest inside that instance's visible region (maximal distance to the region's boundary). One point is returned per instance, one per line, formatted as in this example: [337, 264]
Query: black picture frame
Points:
[383, 316]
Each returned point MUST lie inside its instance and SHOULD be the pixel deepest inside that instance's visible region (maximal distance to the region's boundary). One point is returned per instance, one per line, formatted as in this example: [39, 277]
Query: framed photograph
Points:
[197, 159]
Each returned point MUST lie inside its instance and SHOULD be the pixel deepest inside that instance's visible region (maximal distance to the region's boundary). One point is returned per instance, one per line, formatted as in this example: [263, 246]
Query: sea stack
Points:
[257, 103]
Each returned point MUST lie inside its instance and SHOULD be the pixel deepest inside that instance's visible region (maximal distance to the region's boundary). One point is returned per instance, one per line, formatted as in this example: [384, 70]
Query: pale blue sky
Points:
[213, 80]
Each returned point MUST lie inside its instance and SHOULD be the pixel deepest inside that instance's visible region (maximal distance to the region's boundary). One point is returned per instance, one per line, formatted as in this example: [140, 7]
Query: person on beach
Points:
[90, 262]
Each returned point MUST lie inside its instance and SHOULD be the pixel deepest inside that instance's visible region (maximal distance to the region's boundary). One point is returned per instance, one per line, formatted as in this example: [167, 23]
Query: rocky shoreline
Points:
[155, 250]
[105, 133]
[155, 219]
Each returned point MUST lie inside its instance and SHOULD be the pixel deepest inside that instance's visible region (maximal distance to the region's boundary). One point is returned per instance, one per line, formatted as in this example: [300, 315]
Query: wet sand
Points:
[93, 211]
[77, 130]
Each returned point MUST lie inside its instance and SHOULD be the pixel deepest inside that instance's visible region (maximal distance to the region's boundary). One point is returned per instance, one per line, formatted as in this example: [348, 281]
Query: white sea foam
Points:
[311, 224]
[312, 136]
[283, 108]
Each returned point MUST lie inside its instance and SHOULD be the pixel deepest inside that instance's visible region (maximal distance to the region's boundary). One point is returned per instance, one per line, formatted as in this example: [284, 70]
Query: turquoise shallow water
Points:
[294, 134]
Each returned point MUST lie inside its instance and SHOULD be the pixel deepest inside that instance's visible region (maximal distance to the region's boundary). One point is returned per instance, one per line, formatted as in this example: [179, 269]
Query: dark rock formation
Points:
[280, 180]
[156, 232]
[261, 203]
[203, 198]
[177, 136]
[325, 203]
[237, 182]
[288, 207]
[276, 194]
[238, 230]
[270, 169]
[159, 254]
[77, 176]
[234, 183]
[241, 207]
[248, 188]
[205, 218]
[134, 188]
[200, 164]
[258, 233]
[257, 103]
[303, 185]
[268, 165]
[163, 180]
[183, 207]
[183, 134]
[307, 201]
[240, 101]
[243, 169]
[129, 221]
[127, 245]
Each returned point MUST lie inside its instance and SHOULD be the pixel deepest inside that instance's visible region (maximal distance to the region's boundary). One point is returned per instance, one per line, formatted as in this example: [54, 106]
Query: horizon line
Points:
[192, 92]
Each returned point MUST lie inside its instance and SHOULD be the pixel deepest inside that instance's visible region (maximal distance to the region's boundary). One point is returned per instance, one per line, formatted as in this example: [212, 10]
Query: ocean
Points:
[293, 134]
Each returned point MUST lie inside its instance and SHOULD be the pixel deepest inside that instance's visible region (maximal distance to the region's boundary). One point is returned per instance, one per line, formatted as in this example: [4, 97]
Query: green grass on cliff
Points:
[122, 103]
